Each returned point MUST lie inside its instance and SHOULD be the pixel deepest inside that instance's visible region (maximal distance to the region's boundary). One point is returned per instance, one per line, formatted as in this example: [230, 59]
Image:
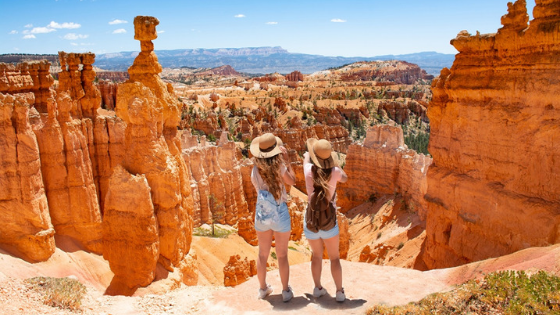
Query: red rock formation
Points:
[152, 147]
[108, 92]
[68, 174]
[237, 271]
[26, 230]
[494, 187]
[294, 76]
[130, 232]
[383, 165]
[25, 77]
[79, 83]
[217, 180]
[113, 76]
[397, 111]
[225, 70]
[400, 72]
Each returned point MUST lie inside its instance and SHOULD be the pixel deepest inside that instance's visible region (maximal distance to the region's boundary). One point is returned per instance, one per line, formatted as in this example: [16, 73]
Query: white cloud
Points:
[13, 32]
[28, 26]
[271, 23]
[338, 20]
[16, 49]
[67, 25]
[72, 36]
[159, 32]
[117, 21]
[29, 36]
[119, 31]
[73, 44]
[42, 30]
[240, 16]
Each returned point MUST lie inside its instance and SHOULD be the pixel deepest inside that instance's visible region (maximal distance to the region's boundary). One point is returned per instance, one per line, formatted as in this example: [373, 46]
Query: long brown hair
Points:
[321, 177]
[269, 169]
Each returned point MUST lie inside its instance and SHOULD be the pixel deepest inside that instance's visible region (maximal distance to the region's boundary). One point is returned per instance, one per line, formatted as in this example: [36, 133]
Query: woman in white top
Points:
[271, 171]
[322, 173]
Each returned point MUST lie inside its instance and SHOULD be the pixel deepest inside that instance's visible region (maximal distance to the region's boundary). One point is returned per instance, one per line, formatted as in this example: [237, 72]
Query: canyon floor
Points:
[365, 284]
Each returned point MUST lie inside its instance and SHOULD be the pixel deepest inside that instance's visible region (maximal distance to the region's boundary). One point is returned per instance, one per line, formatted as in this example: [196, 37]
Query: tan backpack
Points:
[320, 213]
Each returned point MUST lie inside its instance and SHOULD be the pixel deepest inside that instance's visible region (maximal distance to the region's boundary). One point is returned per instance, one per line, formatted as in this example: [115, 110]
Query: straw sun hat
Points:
[321, 153]
[265, 146]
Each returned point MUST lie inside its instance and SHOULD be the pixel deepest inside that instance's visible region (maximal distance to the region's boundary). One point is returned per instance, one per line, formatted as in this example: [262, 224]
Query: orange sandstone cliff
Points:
[494, 185]
[384, 166]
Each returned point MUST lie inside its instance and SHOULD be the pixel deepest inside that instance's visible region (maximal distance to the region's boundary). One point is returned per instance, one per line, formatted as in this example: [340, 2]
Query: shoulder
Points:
[336, 173]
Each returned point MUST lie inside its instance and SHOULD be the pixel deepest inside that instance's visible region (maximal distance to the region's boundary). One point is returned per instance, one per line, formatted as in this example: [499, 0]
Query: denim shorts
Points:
[271, 216]
[321, 234]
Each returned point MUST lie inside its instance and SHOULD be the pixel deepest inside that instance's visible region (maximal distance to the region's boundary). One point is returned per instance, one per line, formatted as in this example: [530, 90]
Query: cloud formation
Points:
[66, 25]
[117, 21]
[338, 21]
[13, 32]
[28, 25]
[29, 36]
[119, 31]
[72, 36]
[240, 16]
[271, 23]
[40, 30]
[159, 32]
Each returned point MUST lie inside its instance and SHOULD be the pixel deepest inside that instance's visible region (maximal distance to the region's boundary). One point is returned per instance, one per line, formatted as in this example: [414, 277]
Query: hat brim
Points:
[256, 150]
[331, 162]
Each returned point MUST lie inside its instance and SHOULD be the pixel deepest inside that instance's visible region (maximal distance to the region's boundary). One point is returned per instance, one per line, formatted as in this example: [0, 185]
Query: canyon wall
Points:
[26, 230]
[381, 166]
[494, 185]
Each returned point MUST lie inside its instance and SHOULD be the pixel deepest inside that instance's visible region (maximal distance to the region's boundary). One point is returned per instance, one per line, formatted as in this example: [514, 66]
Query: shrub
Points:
[504, 292]
[65, 293]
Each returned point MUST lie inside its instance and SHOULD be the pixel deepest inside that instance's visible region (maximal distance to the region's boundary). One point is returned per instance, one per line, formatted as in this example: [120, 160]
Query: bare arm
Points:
[289, 177]
[344, 177]
[306, 158]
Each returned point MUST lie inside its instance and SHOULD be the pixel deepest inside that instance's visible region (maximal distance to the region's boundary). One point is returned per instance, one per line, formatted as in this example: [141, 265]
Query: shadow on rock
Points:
[297, 302]
[328, 302]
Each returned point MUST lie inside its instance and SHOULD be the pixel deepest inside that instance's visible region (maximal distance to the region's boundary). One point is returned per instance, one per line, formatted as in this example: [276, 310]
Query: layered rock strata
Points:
[68, 174]
[79, 83]
[494, 187]
[133, 251]
[237, 271]
[383, 165]
[26, 230]
[33, 76]
[152, 148]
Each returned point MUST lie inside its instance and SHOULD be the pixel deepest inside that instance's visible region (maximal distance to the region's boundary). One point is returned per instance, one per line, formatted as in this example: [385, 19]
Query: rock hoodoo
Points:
[494, 186]
[152, 149]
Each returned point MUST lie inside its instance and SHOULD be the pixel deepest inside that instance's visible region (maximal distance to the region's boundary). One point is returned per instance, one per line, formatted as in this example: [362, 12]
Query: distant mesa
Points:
[254, 60]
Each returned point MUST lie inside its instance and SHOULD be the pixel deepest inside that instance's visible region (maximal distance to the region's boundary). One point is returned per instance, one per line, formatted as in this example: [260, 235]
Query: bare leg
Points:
[282, 256]
[316, 261]
[265, 242]
[332, 245]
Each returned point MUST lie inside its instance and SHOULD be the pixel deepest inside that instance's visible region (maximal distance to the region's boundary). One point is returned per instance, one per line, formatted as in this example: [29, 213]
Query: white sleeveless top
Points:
[260, 184]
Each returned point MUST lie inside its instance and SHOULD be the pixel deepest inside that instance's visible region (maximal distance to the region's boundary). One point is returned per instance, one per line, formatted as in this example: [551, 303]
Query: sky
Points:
[349, 28]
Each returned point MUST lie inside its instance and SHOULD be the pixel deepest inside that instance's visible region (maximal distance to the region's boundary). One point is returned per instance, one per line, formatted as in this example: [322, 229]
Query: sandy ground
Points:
[365, 284]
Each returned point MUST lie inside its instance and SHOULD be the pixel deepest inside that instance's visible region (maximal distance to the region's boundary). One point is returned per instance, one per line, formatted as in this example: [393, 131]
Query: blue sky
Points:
[332, 28]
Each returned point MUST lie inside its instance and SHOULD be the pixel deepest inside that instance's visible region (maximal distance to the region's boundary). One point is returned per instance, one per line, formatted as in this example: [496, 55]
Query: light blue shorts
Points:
[271, 216]
[321, 234]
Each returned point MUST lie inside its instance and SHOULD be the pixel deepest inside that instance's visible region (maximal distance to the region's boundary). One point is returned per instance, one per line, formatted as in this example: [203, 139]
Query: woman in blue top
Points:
[271, 171]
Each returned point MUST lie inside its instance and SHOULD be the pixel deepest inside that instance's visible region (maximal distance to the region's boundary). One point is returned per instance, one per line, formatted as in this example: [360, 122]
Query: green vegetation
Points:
[418, 142]
[64, 293]
[505, 292]
[217, 233]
